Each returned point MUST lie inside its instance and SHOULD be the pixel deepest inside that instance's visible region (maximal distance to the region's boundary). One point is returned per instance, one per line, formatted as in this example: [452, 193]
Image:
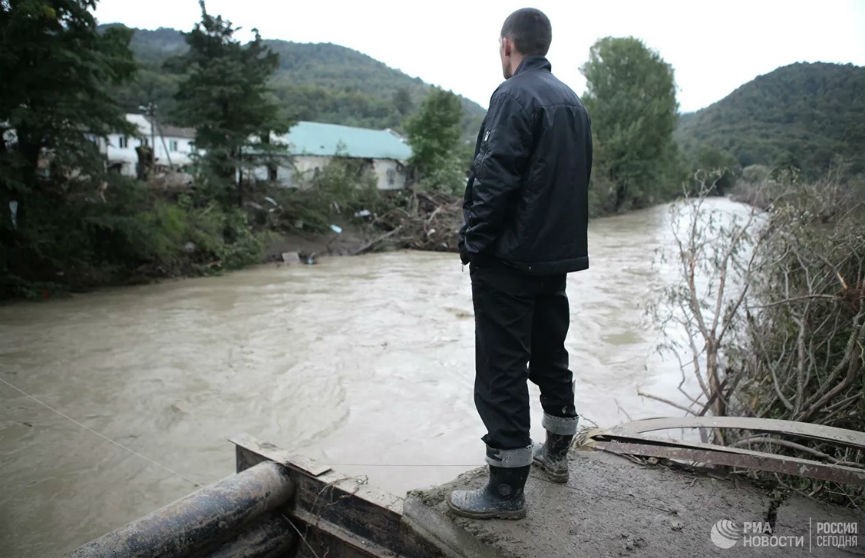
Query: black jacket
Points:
[526, 200]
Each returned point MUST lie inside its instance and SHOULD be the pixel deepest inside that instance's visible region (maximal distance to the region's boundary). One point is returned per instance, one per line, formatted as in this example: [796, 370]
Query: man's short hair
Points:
[530, 30]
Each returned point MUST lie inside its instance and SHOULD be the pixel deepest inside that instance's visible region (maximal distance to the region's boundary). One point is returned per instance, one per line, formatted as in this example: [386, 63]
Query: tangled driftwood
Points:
[429, 221]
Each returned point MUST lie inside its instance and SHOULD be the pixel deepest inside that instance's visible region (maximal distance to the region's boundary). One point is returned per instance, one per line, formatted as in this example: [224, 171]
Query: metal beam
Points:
[201, 522]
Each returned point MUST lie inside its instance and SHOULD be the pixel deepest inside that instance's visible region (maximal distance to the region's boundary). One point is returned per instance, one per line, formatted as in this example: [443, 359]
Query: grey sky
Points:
[713, 46]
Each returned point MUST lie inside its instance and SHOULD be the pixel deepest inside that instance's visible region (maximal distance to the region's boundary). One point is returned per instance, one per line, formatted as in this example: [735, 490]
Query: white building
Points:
[174, 146]
[311, 145]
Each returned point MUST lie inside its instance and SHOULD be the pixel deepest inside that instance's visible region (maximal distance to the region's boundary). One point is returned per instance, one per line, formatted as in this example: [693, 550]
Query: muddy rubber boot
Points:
[501, 498]
[551, 457]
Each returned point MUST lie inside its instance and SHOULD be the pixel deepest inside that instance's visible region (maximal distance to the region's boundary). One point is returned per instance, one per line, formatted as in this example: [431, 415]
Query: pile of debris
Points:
[427, 221]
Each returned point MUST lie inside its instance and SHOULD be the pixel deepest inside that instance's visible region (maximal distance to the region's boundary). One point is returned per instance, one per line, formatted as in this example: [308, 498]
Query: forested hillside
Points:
[322, 82]
[805, 115]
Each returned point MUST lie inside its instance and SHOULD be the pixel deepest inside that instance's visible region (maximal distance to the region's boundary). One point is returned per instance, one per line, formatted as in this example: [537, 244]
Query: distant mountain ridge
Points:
[807, 115]
[320, 82]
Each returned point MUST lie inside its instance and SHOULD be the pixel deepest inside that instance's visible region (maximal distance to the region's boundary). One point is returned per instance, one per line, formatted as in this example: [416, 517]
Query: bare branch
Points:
[667, 401]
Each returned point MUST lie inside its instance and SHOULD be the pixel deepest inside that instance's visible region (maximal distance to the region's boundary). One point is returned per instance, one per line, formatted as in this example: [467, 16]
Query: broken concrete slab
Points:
[613, 507]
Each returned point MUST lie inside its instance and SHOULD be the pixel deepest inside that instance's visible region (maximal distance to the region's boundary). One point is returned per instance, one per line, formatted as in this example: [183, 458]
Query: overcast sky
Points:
[714, 46]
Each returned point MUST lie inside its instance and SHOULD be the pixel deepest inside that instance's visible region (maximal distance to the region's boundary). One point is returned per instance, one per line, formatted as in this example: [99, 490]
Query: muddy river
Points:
[117, 402]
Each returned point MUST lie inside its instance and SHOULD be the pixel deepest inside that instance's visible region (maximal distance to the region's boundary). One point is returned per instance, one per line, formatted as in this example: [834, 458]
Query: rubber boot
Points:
[501, 498]
[551, 457]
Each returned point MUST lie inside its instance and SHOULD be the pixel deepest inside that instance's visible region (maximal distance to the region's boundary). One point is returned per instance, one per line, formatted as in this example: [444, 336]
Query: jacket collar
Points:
[534, 63]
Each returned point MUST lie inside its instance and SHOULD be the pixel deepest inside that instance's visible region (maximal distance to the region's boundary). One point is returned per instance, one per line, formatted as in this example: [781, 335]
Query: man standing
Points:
[526, 214]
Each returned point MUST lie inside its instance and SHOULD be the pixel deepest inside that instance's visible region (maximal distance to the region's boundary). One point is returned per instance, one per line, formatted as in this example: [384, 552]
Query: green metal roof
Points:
[314, 138]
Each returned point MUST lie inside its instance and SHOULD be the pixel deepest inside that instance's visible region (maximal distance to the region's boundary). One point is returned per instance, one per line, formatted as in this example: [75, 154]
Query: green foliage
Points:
[123, 232]
[152, 83]
[434, 137]
[806, 116]
[402, 101]
[53, 101]
[631, 97]
[315, 82]
[716, 168]
[55, 66]
[332, 195]
[225, 96]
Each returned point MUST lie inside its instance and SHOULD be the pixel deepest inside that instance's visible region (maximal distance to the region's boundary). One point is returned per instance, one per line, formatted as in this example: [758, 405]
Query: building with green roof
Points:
[312, 144]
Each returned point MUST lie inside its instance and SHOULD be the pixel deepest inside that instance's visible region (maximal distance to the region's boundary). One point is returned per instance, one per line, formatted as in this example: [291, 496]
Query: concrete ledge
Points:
[613, 507]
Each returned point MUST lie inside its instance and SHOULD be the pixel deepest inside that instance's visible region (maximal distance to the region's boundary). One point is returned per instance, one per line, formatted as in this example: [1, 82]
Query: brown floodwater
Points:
[117, 402]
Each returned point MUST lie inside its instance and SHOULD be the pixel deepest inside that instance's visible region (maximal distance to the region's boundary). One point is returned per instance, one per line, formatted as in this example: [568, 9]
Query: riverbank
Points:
[139, 235]
[290, 248]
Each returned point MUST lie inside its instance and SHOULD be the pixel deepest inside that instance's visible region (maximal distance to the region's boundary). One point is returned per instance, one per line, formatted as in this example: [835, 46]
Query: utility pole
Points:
[147, 153]
[150, 112]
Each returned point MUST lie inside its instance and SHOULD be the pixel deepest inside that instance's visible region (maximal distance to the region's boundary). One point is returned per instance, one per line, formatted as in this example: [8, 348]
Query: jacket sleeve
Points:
[497, 172]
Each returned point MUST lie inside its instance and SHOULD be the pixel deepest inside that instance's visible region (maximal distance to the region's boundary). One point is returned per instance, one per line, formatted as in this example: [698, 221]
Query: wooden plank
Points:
[638, 438]
[763, 462]
[816, 431]
[279, 455]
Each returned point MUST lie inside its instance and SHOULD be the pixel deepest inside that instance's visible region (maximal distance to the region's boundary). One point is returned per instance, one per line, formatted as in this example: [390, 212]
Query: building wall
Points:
[389, 174]
[120, 150]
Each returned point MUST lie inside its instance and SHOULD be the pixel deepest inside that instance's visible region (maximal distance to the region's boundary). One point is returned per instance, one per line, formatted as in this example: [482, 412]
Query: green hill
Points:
[807, 114]
[321, 82]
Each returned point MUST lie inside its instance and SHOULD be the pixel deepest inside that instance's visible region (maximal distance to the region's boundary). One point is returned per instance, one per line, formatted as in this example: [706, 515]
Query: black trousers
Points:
[521, 322]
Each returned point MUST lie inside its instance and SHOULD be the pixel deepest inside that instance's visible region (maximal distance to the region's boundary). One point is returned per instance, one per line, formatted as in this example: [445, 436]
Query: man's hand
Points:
[464, 257]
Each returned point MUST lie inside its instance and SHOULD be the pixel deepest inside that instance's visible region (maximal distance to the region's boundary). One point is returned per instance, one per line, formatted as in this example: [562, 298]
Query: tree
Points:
[434, 135]
[716, 167]
[402, 101]
[55, 66]
[225, 97]
[631, 97]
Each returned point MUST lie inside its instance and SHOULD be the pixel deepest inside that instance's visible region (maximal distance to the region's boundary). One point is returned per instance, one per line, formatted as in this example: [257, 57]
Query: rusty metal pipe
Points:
[201, 522]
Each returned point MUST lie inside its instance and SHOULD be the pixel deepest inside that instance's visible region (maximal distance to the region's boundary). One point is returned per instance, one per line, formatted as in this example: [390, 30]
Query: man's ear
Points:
[506, 43]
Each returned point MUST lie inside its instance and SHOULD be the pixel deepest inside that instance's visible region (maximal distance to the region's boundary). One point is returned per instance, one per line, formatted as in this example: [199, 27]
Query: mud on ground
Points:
[612, 507]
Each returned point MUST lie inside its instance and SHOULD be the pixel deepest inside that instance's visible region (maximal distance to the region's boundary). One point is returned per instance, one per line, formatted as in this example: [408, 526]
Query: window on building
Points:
[123, 142]
[172, 145]
[142, 142]
[192, 147]
[391, 177]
